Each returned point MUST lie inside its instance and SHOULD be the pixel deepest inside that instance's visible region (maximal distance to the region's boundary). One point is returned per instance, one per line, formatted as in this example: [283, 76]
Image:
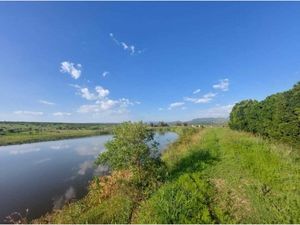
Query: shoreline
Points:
[29, 139]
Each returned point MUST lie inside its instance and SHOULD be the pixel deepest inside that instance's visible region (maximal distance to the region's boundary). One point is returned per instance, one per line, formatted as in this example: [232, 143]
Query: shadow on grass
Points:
[196, 161]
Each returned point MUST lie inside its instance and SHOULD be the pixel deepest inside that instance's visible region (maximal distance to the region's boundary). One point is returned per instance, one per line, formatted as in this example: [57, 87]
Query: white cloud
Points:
[204, 99]
[160, 109]
[102, 92]
[85, 93]
[175, 105]
[46, 102]
[105, 73]
[30, 113]
[71, 68]
[196, 91]
[218, 111]
[126, 47]
[61, 114]
[103, 105]
[223, 85]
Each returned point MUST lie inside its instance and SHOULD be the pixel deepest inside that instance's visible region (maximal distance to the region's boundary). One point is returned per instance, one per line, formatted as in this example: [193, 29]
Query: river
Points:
[43, 176]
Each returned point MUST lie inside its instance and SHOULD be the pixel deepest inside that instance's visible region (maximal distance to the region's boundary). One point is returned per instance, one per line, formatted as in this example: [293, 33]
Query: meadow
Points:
[27, 132]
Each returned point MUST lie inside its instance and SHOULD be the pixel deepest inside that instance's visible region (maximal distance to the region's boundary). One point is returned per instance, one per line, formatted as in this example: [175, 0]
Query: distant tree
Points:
[162, 124]
[178, 124]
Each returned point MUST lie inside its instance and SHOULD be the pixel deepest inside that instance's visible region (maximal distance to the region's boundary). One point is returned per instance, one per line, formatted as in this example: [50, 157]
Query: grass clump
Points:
[185, 200]
[117, 209]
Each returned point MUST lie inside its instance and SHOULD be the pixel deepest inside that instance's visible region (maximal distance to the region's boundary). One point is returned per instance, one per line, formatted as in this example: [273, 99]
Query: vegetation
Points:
[214, 175]
[277, 117]
[25, 132]
[223, 176]
[133, 148]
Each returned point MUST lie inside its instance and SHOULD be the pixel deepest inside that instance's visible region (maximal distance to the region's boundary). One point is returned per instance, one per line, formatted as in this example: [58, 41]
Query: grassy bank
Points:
[227, 177]
[215, 175]
[23, 132]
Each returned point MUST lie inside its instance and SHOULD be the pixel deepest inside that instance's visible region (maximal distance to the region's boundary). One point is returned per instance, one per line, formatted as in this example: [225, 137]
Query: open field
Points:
[27, 132]
[215, 175]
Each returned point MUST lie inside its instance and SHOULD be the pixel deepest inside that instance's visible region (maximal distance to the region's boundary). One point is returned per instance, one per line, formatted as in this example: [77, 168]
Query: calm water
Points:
[43, 176]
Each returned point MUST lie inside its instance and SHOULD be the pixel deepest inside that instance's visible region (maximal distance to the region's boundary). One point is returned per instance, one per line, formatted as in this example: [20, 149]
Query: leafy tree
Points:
[133, 148]
[278, 116]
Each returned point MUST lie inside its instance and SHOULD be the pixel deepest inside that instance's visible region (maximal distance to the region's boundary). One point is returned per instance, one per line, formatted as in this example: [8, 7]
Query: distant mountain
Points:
[208, 121]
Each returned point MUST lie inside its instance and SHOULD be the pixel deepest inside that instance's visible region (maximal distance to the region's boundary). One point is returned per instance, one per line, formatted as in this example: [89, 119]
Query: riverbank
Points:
[215, 175]
[22, 132]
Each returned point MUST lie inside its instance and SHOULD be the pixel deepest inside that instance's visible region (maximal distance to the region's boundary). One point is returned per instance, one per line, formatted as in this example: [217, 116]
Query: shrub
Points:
[133, 148]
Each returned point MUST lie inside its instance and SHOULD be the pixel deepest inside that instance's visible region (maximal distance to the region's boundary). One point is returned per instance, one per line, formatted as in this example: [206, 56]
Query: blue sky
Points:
[113, 61]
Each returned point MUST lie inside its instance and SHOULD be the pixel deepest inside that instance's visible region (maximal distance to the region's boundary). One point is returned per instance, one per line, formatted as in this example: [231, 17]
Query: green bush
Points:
[133, 148]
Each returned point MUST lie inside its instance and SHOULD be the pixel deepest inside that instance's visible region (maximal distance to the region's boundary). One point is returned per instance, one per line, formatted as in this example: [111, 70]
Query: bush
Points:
[133, 148]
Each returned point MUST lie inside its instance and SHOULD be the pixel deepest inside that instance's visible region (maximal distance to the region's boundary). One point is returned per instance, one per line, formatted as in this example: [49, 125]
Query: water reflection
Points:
[44, 176]
[83, 167]
[59, 202]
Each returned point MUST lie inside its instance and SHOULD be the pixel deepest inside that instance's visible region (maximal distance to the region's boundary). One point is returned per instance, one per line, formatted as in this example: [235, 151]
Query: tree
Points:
[278, 116]
[133, 148]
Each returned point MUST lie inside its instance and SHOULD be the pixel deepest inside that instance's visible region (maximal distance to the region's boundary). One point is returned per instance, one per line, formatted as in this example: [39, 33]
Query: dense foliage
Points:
[278, 116]
[133, 148]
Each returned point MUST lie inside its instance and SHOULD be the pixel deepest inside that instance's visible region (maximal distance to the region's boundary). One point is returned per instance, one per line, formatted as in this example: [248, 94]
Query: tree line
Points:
[277, 116]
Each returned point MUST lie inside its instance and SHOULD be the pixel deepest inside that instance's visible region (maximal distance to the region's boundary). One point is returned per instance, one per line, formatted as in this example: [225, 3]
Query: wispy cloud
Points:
[223, 85]
[105, 73]
[61, 114]
[71, 68]
[175, 105]
[218, 111]
[46, 102]
[126, 47]
[30, 113]
[104, 105]
[204, 99]
[196, 91]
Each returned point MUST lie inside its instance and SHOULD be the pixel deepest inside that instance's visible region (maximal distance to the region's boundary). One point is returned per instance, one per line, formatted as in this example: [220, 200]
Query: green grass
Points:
[25, 132]
[239, 178]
